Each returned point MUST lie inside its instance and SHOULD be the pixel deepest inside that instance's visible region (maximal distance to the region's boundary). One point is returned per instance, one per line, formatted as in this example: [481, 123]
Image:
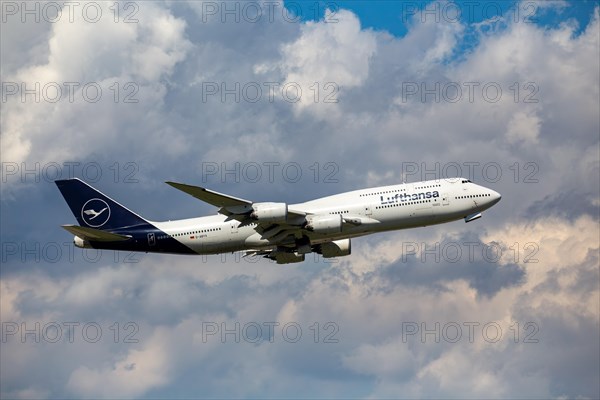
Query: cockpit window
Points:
[466, 181]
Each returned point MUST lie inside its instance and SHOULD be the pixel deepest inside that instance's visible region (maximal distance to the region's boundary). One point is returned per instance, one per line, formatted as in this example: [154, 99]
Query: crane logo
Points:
[95, 213]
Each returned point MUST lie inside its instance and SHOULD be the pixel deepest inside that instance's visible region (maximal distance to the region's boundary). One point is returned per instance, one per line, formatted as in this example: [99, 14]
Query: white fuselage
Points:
[380, 209]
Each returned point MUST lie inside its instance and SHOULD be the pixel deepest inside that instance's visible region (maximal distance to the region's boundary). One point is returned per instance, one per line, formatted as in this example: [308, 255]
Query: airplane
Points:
[281, 232]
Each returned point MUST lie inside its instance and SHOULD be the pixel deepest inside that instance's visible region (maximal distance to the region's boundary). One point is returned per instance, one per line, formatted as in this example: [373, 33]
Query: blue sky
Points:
[394, 16]
[178, 104]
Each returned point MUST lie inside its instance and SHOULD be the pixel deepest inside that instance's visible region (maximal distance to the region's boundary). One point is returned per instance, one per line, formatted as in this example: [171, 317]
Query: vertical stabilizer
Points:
[94, 209]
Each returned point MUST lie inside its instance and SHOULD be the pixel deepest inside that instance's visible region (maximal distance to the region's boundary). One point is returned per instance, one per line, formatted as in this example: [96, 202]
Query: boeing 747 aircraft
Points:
[278, 231]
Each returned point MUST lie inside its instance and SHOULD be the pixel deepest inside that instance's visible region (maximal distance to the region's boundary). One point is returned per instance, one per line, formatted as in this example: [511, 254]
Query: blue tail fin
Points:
[94, 209]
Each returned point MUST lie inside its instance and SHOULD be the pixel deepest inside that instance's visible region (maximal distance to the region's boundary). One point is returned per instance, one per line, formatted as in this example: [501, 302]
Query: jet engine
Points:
[269, 212]
[337, 248]
[82, 243]
[324, 223]
[284, 257]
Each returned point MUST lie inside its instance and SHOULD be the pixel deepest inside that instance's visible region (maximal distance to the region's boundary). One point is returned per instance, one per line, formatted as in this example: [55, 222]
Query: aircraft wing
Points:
[95, 235]
[234, 207]
[209, 196]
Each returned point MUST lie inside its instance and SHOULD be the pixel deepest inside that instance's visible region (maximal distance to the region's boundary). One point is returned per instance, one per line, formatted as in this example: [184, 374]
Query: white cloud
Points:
[123, 59]
[330, 51]
[523, 127]
[334, 50]
[370, 321]
[374, 360]
[132, 376]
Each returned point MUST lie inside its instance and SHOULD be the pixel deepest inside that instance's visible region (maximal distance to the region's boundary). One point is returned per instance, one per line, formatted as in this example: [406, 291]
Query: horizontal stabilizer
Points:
[95, 235]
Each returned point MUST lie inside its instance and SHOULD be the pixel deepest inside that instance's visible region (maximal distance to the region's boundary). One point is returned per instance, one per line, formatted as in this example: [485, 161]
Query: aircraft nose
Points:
[495, 197]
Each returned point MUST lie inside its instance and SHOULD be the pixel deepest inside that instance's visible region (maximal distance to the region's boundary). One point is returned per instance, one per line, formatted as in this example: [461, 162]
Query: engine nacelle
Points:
[325, 223]
[337, 248]
[269, 212]
[82, 243]
[283, 257]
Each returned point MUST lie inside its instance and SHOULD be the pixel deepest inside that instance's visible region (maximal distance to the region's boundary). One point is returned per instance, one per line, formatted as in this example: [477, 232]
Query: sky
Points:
[289, 102]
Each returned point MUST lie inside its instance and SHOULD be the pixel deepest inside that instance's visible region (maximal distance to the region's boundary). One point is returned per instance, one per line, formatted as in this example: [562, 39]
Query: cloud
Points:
[333, 50]
[140, 371]
[523, 127]
[90, 71]
[318, 66]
